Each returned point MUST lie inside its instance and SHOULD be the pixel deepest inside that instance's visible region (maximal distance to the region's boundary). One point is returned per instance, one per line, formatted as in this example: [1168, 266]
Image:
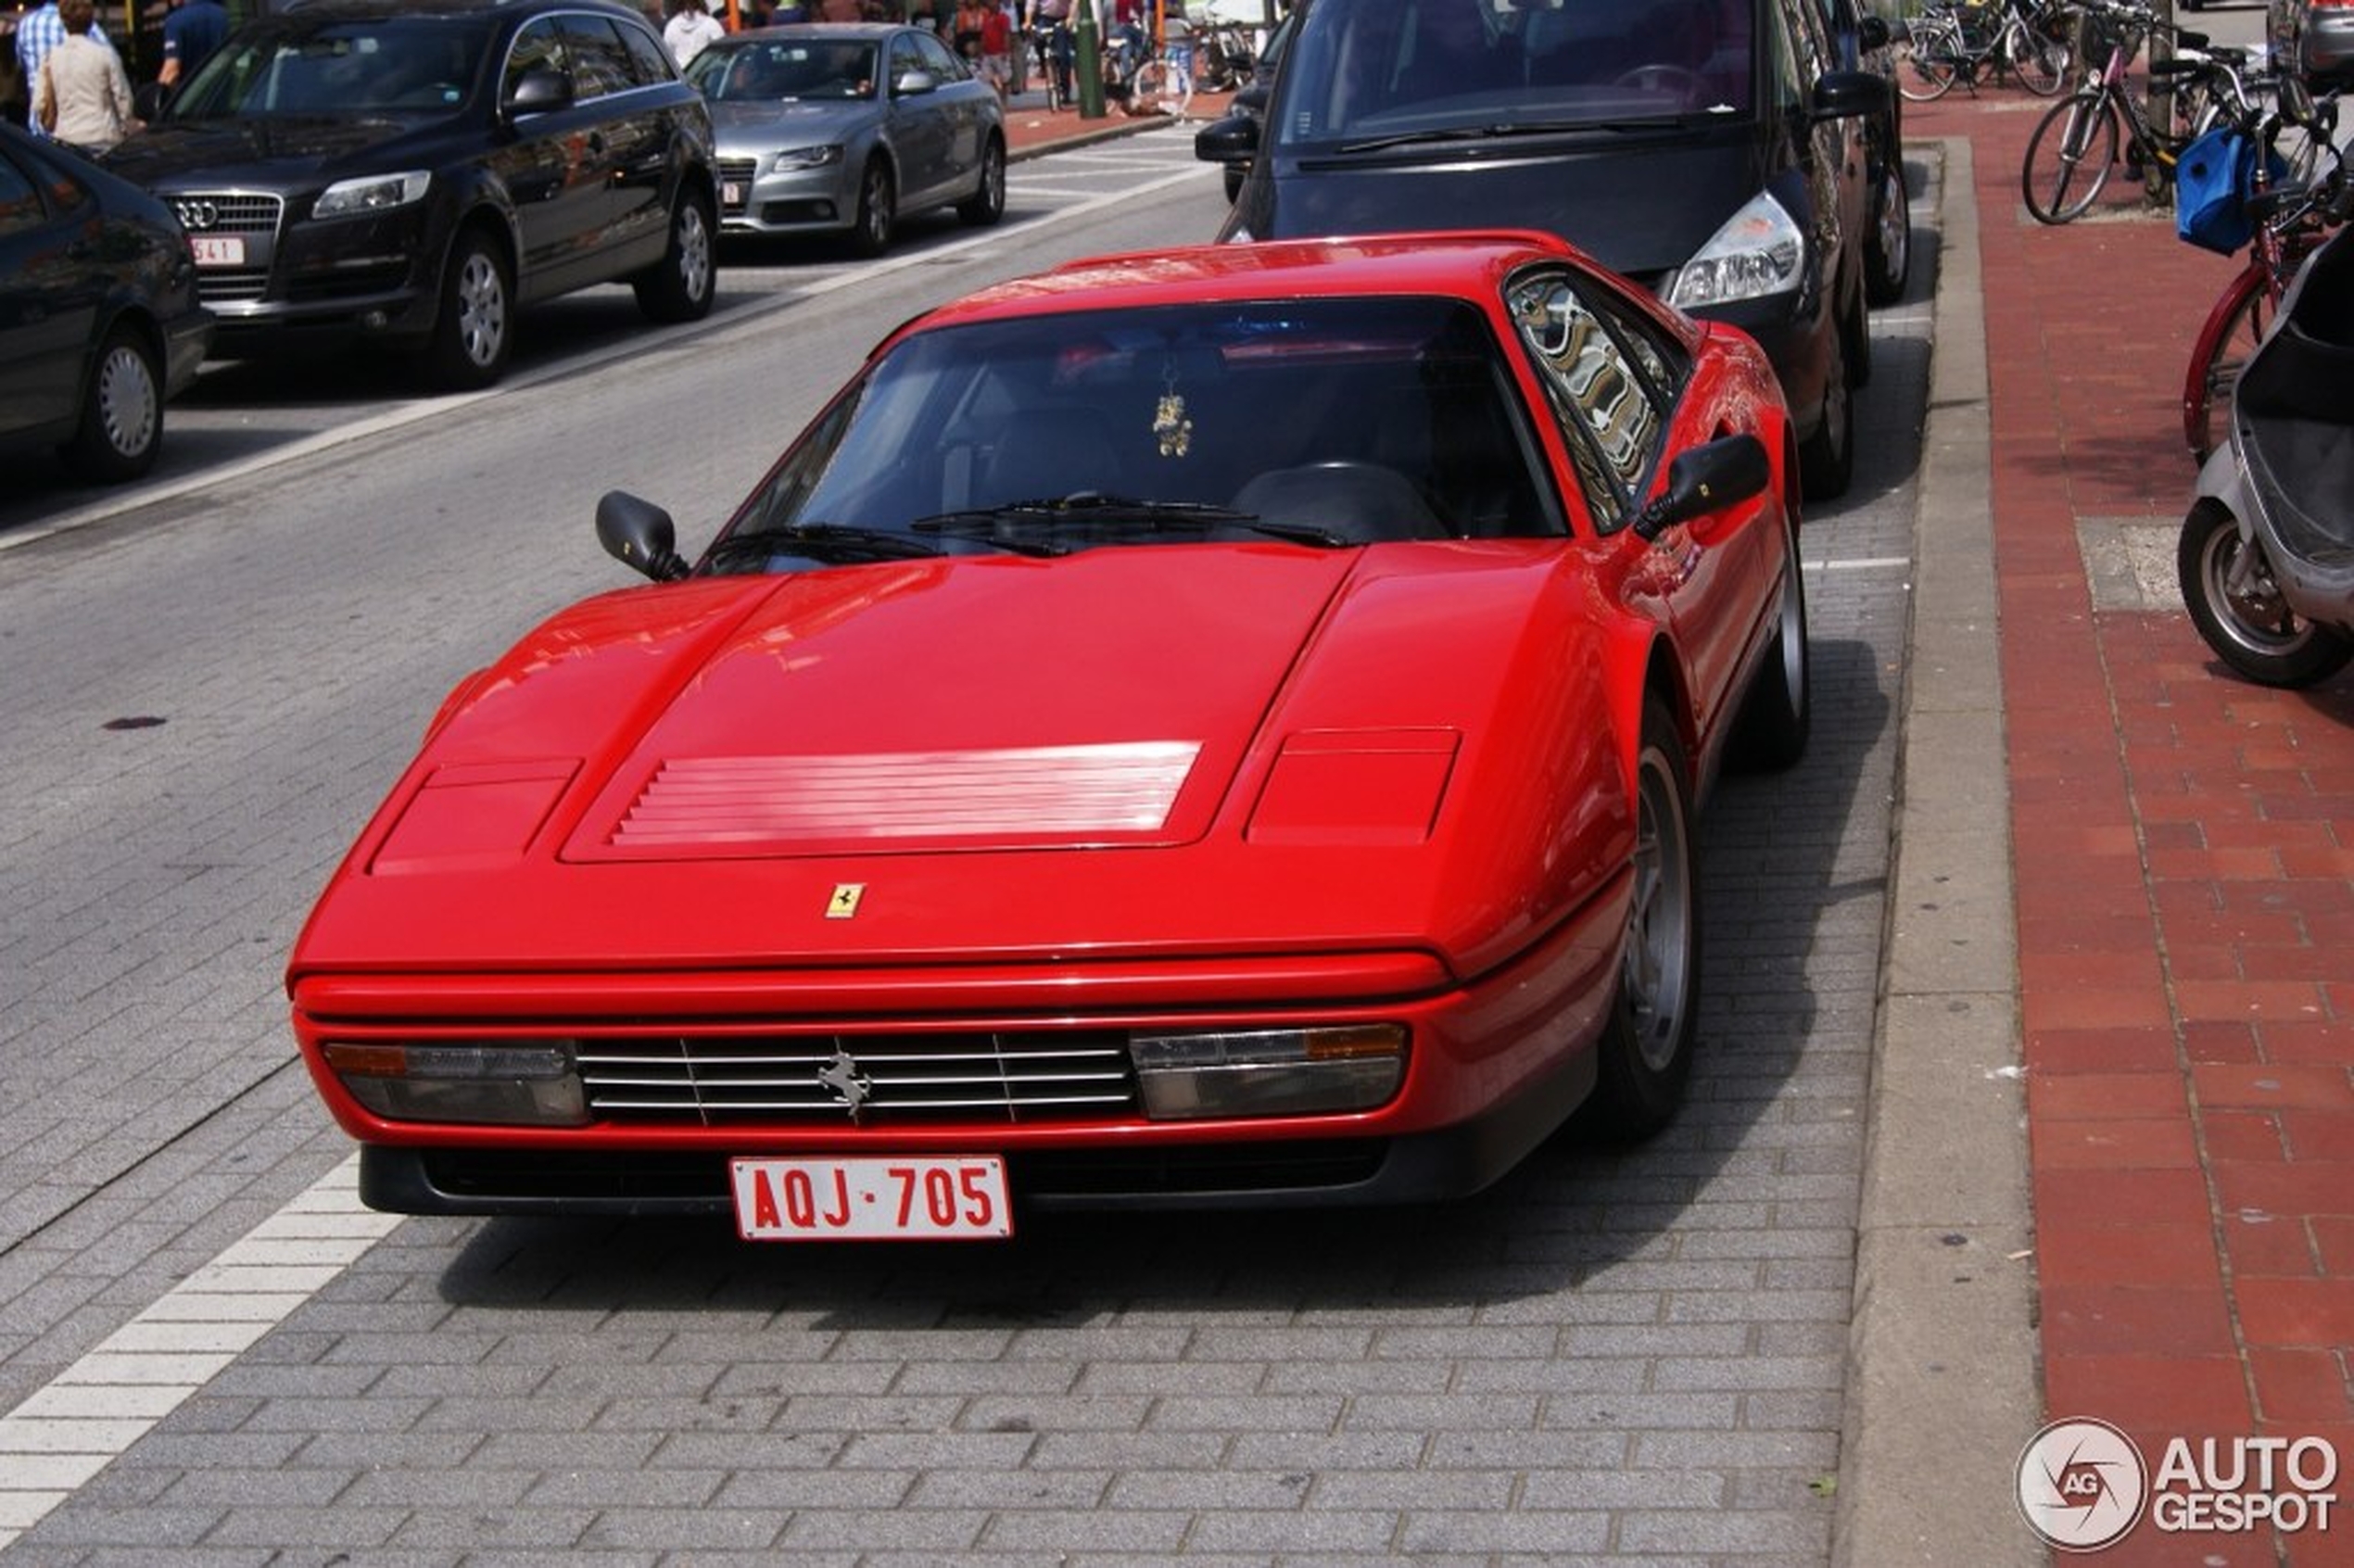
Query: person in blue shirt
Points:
[194, 30]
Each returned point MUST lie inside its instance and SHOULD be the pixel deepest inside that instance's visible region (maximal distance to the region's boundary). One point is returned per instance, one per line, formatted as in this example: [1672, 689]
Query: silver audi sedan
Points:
[846, 128]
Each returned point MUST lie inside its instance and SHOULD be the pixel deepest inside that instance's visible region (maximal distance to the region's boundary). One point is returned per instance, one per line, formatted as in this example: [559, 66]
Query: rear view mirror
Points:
[1705, 479]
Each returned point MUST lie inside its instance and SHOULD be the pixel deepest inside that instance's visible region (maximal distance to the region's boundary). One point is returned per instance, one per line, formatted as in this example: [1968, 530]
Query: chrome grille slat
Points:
[725, 1080]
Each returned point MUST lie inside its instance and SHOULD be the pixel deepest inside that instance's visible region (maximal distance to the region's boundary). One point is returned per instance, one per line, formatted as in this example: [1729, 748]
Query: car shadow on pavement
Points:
[1762, 1163]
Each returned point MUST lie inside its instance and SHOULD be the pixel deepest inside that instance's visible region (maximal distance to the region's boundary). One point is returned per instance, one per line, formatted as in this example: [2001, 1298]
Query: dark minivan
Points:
[413, 170]
[1713, 150]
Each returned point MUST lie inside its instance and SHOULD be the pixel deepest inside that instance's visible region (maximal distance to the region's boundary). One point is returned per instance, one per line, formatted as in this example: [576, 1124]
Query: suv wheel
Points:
[679, 288]
[1888, 245]
[471, 331]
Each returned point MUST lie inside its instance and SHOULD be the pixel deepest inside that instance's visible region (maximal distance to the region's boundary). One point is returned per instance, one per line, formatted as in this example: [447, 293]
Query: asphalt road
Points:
[209, 1356]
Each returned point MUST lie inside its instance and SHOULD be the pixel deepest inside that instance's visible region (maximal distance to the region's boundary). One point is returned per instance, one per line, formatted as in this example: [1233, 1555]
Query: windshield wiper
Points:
[826, 541]
[1091, 508]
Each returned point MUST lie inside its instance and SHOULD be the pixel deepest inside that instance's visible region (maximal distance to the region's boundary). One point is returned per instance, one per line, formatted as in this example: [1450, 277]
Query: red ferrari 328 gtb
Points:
[1208, 727]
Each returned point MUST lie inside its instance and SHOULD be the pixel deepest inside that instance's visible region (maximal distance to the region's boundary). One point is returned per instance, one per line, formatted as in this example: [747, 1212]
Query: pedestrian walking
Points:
[997, 48]
[1177, 55]
[690, 29]
[192, 30]
[80, 94]
[38, 31]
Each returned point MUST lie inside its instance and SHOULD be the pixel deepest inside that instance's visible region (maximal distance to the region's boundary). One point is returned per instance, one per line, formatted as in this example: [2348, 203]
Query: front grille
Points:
[231, 212]
[864, 1080]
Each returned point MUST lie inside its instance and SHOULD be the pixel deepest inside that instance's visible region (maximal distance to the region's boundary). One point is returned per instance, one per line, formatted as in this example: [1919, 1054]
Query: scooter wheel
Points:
[2251, 627]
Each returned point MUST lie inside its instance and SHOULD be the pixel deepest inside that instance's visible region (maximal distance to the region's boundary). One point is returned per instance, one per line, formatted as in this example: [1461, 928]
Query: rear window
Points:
[1373, 69]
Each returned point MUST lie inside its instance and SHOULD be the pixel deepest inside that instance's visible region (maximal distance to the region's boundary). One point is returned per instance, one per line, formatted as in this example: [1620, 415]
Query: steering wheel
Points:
[1662, 77]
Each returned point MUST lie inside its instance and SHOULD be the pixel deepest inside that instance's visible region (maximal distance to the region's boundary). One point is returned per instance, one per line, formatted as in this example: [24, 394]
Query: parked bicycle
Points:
[1951, 42]
[2290, 212]
[2076, 143]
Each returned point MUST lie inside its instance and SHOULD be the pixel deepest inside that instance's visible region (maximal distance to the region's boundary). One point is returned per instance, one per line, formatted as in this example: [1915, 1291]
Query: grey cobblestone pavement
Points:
[1618, 1353]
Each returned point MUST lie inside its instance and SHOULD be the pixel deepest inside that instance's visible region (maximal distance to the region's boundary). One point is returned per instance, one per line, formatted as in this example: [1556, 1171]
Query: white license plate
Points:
[218, 250]
[917, 1197]
[731, 195]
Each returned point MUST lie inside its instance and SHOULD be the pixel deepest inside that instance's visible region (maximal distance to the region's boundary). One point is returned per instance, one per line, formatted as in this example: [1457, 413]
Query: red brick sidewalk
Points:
[2184, 862]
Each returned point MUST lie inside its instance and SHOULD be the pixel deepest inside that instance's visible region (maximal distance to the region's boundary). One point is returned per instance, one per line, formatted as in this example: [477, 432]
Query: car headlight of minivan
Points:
[506, 1082]
[792, 158]
[1190, 1073]
[375, 193]
[1760, 251]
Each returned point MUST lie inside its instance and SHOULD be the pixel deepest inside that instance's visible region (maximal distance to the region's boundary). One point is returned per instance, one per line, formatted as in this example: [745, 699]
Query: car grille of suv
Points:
[866, 1079]
[217, 213]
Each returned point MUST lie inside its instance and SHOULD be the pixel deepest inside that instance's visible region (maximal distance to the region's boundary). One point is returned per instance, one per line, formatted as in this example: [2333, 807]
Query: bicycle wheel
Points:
[2224, 344]
[2068, 157]
[1925, 68]
[2040, 63]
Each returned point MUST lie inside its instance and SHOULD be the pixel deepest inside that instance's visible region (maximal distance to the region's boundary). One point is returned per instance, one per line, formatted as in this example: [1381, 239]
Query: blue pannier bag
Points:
[2212, 182]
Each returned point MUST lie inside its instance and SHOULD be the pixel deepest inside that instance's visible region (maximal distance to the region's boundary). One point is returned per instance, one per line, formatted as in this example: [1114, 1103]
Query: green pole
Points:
[1087, 60]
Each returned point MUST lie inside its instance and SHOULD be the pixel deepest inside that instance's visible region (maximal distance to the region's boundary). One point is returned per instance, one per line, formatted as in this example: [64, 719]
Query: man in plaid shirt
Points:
[38, 31]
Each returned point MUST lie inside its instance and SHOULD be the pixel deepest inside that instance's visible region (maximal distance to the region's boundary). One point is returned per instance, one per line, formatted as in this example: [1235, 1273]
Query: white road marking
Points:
[85, 1418]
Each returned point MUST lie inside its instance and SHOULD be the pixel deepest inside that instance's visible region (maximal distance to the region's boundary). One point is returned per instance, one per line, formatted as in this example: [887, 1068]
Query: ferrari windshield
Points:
[386, 65]
[1324, 421]
[1373, 74]
[782, 66]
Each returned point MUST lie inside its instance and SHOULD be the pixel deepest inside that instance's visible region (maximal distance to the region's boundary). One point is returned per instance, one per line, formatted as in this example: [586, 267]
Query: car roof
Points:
[372, 11]
[787, 33]
[1465, 264]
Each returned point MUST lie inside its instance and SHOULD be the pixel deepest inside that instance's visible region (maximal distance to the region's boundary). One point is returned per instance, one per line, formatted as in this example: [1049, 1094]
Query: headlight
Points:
[517, 1083]
[379, 193]
[806, 157]
[1194, 1073]
[1760, 251]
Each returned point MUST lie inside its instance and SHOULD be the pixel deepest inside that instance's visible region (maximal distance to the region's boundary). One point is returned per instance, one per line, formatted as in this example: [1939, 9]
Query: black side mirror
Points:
[640, 536]
[1233, 139]
[1729, 469]
[1841, 95]
[537, 91]
[1871, 34]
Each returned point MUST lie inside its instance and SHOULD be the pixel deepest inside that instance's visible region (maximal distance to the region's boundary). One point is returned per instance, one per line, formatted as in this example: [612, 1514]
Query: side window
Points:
[903, 59]
[535, 48]
[650, 63]
[935, 58]
[600, 63]
[1605, 385]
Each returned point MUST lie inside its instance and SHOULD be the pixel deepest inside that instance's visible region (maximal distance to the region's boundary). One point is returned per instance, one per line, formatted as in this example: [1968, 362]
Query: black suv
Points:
[413, 170]
[1715, 151]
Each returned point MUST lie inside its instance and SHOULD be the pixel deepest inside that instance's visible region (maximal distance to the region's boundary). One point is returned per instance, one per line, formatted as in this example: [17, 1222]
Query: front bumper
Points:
[797, 201]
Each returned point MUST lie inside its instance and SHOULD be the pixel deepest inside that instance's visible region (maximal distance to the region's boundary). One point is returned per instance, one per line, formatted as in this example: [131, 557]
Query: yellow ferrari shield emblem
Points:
[845, 903]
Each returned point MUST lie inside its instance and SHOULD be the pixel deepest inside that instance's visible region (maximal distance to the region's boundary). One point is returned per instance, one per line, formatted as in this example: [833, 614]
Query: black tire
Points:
[1777, 713]
[680, 287]
[987, 204]
[1887, 244]
[1827, 458]
[474, 330]
[878, 213]
[2040, 63]
[1925, 69]
[1645, 1057]
[2068, 157]
[2251, 628]
[121, 427]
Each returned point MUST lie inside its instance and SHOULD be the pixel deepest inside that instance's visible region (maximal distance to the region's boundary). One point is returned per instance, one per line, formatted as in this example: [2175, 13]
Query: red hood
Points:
[1261, 746]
